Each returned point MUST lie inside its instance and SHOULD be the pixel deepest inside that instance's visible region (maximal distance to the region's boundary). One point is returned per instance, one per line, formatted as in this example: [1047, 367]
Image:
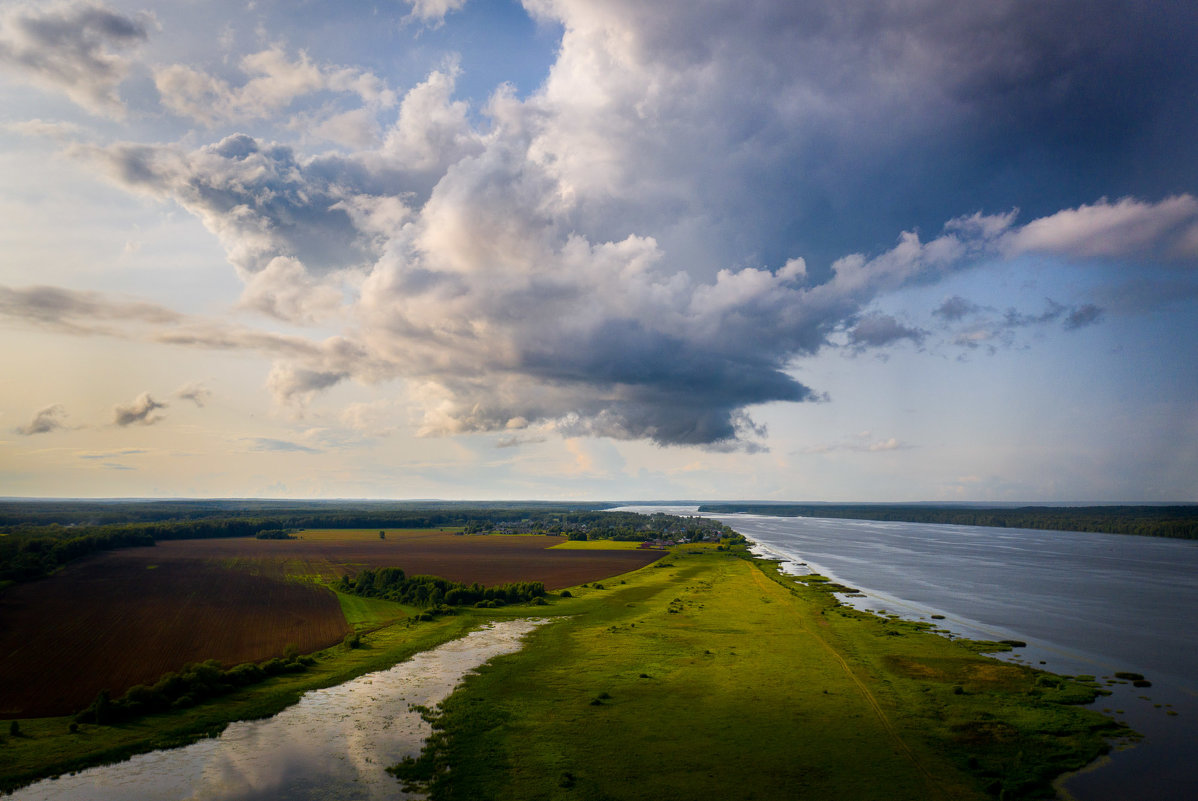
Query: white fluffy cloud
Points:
[433, 11]
[274, 82]
[1125, 228]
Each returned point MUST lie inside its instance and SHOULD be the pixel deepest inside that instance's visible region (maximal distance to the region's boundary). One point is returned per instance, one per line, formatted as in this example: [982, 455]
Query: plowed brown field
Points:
[126, 617]
[330, 553]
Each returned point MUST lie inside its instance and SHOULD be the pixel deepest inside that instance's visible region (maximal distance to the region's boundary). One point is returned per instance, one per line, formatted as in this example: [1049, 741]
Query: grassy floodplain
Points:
[706, 674]
[711, 675]
[47, 747]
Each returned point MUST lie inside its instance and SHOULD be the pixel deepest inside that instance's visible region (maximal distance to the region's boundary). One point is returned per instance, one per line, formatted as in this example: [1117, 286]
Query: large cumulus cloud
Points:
[620, 253]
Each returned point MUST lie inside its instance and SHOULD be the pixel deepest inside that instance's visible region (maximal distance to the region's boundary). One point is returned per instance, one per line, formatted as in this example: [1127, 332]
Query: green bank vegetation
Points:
[435, 595]
[385, 633]
[718, 677]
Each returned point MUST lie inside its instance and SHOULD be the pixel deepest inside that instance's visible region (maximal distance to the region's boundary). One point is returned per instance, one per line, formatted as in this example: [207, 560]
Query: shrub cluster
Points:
[435, 593]
[275, 534]
[194, 684]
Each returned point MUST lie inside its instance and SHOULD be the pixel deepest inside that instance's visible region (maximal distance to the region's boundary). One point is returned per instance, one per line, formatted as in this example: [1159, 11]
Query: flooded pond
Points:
[334, 743]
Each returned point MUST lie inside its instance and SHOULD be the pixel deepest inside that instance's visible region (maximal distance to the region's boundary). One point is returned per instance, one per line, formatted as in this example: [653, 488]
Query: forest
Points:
[38, 537]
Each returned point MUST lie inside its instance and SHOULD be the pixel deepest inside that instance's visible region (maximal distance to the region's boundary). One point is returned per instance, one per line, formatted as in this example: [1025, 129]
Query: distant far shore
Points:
[1179, 521]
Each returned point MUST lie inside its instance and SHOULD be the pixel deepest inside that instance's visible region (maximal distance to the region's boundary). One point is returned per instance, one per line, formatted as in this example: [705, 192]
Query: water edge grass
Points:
[48, 747]
[721, 677]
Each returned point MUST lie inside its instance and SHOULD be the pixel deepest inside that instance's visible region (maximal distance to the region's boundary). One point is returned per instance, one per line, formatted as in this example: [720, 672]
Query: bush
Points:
[246, 674]
[196, 683]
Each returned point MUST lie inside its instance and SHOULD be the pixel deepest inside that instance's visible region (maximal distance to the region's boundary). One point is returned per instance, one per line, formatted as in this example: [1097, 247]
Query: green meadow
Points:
[599, 545]
[711, 675]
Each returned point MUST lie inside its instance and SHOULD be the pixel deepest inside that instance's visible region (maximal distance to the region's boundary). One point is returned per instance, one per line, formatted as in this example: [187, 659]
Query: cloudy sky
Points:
[909, 250]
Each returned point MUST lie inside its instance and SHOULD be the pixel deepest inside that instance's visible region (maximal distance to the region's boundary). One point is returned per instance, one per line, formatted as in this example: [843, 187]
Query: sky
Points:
[917, 250]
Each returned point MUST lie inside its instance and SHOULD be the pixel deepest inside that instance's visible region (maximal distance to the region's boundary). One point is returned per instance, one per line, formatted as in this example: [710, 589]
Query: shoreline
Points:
[1162, 714]
[46, 748]
[378, 718]
[889, 687]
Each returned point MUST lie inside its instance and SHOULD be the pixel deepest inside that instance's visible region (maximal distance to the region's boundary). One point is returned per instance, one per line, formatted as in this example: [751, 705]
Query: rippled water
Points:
[1084, 603]
[334, 744]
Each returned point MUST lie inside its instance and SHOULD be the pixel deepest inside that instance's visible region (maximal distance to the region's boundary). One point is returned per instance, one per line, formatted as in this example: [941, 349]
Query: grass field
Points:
[599, 545]
[714, 677]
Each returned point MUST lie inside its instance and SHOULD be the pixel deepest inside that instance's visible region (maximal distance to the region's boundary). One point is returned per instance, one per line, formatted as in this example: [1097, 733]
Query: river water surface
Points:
[1085, 604]
[334, 744]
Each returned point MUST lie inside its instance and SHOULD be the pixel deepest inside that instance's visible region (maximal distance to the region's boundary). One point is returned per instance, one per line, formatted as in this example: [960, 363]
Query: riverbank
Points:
[713, 675]
[334, 744]
[47, 747]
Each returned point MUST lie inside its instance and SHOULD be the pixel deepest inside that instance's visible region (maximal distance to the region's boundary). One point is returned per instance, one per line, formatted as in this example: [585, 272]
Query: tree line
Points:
[38, 537]
[194, 684]
[436, 593]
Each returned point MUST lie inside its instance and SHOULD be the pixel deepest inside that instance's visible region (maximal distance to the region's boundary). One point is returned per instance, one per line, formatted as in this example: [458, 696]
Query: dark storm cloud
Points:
[898, 116]
[258, 199]
[51, 418]
[111, 454]
[1017, 319]
[880, 330]
[74, 47]
[195, 392]
[140, 411]
[955, 308]
[1088, 314]
[993, 333]
[279, 446]
[78, 311]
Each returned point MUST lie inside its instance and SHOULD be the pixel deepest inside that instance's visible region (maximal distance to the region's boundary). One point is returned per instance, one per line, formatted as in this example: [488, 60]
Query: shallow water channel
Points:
[334, 744]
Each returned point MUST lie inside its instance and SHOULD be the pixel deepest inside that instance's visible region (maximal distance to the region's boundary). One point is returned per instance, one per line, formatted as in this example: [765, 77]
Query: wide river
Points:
[1085, 604]
[335, 743]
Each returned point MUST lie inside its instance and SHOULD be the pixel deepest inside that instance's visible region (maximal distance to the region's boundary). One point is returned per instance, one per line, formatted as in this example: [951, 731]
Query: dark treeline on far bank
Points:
[37, 537]
[1179, 522]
